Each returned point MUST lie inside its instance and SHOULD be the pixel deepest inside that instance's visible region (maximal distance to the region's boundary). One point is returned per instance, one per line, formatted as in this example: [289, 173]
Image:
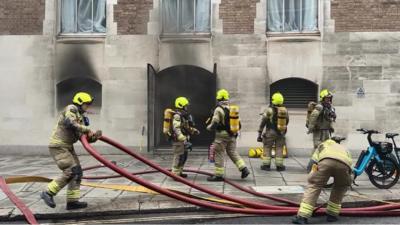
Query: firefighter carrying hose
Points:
[275, 119]
[225, 120]
[71, 124]
[333, 160]
[182, 129]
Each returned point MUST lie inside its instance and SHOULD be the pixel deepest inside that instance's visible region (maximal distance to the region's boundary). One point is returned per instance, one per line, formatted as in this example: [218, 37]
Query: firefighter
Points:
[182, 129]
[275, 119]
[322, 118]
[321, 121]
[225, 137]
[333, 160]
[72, 123]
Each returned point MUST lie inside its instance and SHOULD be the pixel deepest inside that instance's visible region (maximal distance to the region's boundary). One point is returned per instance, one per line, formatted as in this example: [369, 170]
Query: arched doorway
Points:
[297, 92]
[66, 89]
[195, 83]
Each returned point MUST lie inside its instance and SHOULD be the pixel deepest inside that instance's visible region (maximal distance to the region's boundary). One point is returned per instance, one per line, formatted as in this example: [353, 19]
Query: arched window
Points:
[66, 90]
[297, 92]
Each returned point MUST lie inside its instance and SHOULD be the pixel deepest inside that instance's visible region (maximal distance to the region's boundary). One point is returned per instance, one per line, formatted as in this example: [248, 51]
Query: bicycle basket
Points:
[384, 147]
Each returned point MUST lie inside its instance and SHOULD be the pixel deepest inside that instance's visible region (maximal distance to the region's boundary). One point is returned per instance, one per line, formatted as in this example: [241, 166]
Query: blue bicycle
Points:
[378, 162]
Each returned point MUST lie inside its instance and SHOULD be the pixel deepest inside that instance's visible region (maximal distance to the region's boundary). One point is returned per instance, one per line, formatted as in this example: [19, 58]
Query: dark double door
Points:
[196, 84]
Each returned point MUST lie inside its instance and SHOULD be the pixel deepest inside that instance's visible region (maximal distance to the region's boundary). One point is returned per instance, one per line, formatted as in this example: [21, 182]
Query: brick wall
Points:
[21, 17]
[238, 16]
[366, 15]
[132, 16]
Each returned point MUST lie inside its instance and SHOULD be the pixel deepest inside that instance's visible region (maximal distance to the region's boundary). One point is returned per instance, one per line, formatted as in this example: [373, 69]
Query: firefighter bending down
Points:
[333, 160]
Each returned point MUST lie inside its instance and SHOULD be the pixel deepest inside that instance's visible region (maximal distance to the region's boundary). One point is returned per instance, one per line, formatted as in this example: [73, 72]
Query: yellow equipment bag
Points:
[234, 121]
[311, 106]
[282, 119]
[167, 125]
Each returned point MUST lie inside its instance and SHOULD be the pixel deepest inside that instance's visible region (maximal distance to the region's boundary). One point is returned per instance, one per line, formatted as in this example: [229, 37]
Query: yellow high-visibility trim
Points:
[53, 187]
[240, 164]
[305, 210]
[73, 194]
[333, 208]
[219, 171]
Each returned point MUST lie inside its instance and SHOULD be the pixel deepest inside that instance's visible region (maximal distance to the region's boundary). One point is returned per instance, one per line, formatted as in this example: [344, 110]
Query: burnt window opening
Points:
[66, 90]
[297, 92]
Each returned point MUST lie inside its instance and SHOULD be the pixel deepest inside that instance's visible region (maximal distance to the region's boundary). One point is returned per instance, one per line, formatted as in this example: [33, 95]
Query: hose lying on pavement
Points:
[229, 201]
[386, 206]
[237, 186]
[21, 206]
[244, 202]
[272, 210]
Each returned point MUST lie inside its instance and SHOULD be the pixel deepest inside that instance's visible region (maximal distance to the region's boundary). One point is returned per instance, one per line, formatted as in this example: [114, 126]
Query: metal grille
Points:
[296, 91]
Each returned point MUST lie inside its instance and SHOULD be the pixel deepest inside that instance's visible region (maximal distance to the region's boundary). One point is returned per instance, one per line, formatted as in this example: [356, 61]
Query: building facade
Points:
[51, 48]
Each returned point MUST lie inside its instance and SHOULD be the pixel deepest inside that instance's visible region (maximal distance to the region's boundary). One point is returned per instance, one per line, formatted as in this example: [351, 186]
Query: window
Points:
[83, 16]
[185, 16]
[297, 92]
[292, 16]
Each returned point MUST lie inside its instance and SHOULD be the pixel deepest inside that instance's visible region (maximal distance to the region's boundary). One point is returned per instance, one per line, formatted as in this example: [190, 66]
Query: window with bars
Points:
[185, 16]
[297, 16]
[82, 16]
[297, 92]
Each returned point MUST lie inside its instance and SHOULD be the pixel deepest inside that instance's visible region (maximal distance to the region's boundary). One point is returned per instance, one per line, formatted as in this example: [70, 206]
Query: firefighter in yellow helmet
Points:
[225, 139]
[321, 120]
[71, 124]
[182, 129]
[275, 120]
[333, 160]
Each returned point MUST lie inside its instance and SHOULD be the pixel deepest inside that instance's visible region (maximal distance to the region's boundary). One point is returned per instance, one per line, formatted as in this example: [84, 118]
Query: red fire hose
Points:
[252, 204]
[258, 208]
[21, 206]
[237, 186]
[367, 211]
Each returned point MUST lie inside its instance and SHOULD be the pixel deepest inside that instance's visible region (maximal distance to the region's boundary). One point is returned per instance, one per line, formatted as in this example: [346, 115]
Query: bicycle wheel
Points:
[384, 174]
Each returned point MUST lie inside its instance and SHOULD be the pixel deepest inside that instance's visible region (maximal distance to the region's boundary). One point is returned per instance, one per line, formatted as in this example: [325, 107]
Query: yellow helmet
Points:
[82, 98]
[325, 93]
[277, 99]
[181, 102]
[222, 95]
[252, 153]
[259, 152]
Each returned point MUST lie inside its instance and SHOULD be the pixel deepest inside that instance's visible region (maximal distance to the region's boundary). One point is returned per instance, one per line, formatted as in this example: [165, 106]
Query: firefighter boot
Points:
[215, 178]
[245, 172]
[265, 167]
[280, 168]
[76, 205]
[300, 220]
[331, 218]
[48, 199]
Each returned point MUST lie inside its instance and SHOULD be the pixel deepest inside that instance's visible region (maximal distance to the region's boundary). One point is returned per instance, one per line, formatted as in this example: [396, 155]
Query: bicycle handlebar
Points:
[369, 132]
[364, 131]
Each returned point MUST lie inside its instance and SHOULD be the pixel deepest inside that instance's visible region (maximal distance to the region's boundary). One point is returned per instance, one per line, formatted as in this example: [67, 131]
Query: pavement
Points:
[103, 202]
